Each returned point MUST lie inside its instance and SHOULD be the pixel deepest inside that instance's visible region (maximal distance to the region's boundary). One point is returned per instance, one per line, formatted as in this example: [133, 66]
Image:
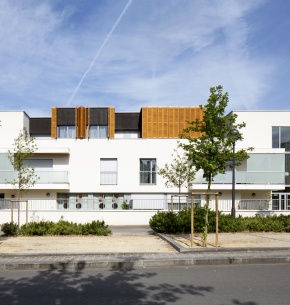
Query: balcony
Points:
[242, 177]
[45, 177]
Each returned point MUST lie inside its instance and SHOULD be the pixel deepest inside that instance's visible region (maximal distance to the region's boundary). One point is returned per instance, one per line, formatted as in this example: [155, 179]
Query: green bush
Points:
[228, 224]
[10, 228]
[164, 222]
[180, 222]
[63, 227]
[36, 228]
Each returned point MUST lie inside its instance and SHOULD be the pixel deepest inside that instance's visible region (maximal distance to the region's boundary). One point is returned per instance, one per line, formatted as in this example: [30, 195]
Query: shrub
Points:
[164, 222]
[180, 222]
[10, 228]
[228, 224]
[36, 228]
[64, 228]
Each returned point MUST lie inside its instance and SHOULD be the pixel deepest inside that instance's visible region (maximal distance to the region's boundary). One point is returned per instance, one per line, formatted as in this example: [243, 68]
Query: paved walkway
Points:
[138, 246]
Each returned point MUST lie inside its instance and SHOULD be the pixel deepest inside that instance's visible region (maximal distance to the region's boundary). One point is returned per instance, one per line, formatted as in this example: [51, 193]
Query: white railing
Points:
[143, 204]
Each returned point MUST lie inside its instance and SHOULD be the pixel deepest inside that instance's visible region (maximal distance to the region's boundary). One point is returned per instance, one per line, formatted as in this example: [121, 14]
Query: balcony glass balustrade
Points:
[45, 177]
[244, 178]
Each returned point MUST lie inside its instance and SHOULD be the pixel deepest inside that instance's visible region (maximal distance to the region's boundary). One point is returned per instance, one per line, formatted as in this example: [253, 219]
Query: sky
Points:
[134, 53]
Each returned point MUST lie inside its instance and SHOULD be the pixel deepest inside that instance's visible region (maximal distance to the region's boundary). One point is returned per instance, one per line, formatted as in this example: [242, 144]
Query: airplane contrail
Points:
[99, 51]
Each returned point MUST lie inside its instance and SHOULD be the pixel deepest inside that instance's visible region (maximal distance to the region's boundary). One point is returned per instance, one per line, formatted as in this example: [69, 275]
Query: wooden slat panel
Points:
[170, 122]
[181, 120]
[159, 122]
[144, 123]
[167, 122]
[54, 122]
[175, 122]
[111, 125]
[81, 122]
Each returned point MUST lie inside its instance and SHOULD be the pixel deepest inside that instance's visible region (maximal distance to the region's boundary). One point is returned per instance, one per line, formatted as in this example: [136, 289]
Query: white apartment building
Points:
[97, 159]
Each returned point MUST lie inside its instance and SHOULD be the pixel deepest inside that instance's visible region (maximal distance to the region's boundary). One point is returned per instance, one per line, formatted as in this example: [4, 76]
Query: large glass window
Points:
[98, 132]
[148, 171]
[108, 171]
[281, 137]
[275, 137]
[68, 132]
[285, 138]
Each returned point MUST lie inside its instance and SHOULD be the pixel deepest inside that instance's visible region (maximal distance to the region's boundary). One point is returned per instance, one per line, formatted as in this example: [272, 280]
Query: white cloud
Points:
[163, 53]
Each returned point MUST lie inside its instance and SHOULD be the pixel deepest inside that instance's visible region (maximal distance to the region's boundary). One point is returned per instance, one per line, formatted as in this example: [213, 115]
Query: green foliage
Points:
[270, 224]
[178, 173]
[164, 222]
[180, 222]
[10, 229]
[63, 227]
[125, 205]
[212, 151]
[227, 224]
[24, 148]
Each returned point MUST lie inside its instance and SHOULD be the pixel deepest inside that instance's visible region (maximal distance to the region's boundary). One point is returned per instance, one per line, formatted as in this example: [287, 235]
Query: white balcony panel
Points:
[244, 178]
[45, 177]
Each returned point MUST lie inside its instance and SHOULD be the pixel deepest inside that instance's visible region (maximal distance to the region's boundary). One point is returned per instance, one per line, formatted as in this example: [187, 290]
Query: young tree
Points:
[212, 152]
[178, 173]
[24, 148]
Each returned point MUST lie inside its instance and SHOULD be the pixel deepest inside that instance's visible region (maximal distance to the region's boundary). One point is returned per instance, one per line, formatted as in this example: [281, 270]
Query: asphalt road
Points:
[220, 285]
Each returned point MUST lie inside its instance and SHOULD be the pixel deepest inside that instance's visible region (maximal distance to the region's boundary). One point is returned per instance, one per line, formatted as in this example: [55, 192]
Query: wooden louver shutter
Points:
[81, 122]
[54, 122]
[111, 122]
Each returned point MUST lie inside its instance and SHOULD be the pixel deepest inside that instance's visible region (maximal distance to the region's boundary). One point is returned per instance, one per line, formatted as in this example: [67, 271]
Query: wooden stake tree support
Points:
[216, 216]
[26, 210]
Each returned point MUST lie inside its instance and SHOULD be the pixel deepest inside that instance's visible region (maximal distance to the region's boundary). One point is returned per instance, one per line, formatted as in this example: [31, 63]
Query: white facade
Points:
[86, 173]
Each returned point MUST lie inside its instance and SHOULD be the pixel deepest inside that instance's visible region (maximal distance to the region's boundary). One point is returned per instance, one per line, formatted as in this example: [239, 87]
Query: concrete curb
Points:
[184, 257]
[131, 262]
[182, 249]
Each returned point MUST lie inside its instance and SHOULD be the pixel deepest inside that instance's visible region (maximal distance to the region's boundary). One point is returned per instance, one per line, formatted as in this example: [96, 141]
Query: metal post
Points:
[26, 212]
[233, 185]
[192, 220]
[216, 221]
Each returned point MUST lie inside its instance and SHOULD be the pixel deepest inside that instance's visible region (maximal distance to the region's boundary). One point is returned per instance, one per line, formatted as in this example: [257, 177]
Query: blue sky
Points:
[134, 53]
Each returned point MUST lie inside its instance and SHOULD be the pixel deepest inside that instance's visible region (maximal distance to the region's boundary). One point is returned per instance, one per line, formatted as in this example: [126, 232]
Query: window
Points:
[148, 171]
[98, 132]
[281, 137]
[108, 171]
[68, 132]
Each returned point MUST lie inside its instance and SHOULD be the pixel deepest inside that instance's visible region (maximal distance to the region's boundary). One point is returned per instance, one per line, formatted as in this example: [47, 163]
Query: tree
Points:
[24, 148]
[178, 173]
[212, 152]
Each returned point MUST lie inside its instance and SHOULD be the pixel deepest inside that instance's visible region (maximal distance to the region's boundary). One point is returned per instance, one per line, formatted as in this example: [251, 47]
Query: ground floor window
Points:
[90, 201]
[281, 201]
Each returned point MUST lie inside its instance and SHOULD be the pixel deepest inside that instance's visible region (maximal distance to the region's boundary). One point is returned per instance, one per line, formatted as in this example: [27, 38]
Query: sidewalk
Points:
[133, 246]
